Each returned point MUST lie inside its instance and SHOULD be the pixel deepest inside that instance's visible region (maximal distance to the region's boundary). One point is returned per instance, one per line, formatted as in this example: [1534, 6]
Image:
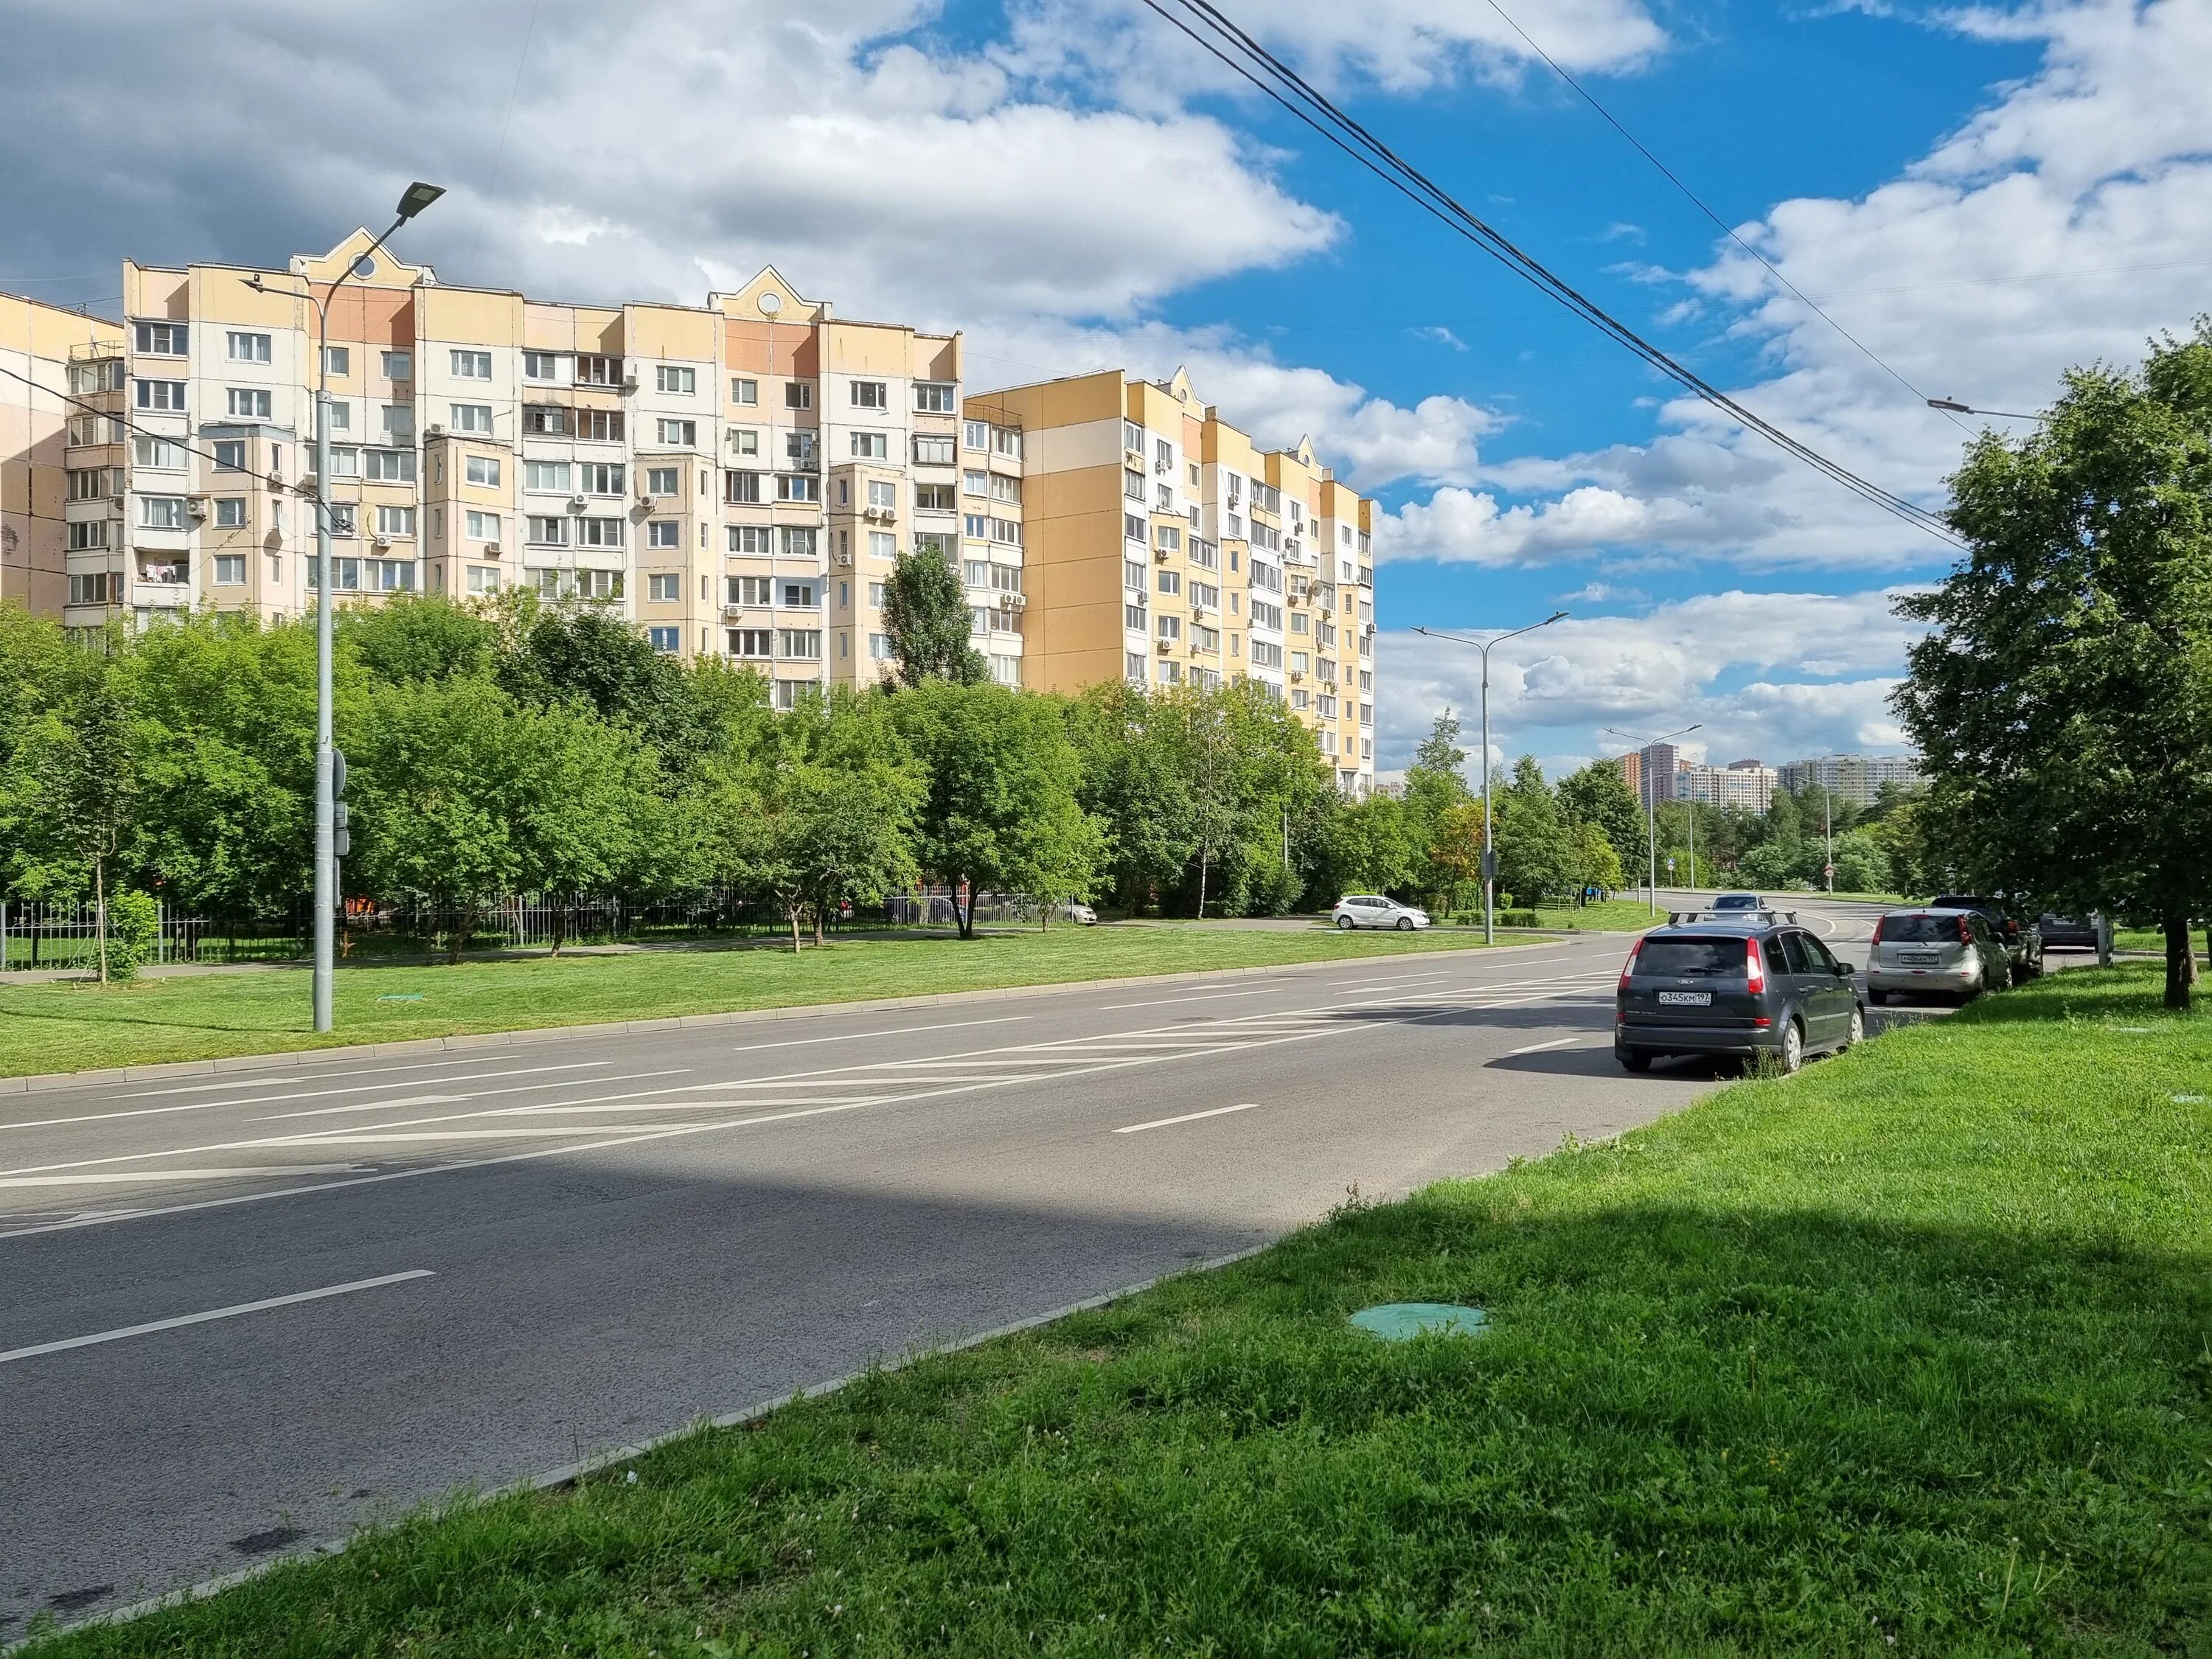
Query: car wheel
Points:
[1345, 922]
[1793, 1049]
[1405, 924]
[1854, 1032]
[1634, 1059]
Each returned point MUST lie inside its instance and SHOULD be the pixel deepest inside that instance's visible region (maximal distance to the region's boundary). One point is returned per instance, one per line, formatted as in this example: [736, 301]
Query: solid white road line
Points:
[119, 1177]
[307, 1075]
[473, 1094]
[900, 1030]
[231, 1312]
[1539, 1048]
[308, 1094]
[1187, 1117]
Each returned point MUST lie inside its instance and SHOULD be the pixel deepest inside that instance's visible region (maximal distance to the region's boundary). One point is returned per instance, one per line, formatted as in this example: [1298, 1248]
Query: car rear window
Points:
[1678, 958]
[1920, 930]
[1735, 902]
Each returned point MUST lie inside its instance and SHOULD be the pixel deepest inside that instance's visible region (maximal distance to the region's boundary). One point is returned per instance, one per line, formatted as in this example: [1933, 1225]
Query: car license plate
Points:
[1917, 958]
[1685, 998]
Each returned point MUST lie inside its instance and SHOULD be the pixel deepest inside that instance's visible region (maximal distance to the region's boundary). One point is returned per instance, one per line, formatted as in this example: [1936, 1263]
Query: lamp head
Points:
[1951, 405]
[1557, 615]
[418, 195]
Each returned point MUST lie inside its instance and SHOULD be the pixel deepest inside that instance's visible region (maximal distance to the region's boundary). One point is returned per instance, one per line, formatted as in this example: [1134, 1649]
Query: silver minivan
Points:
[1948, 953]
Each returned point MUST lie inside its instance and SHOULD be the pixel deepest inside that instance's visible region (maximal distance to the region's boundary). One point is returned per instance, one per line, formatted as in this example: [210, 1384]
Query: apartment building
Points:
[1164, 547]
[1743, 783]
[1856, 778]
[53, 497]
[734, 477]
[1652, 776]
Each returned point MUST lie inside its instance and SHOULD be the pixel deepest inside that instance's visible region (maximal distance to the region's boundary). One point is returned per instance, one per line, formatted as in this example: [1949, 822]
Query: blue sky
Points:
[1983, 195]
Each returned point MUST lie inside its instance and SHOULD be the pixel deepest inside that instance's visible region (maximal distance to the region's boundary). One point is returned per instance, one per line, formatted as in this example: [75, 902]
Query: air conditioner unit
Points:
[1160, 555]
[1367, 630]
[435, 430]
[629, 380]
[1134, 458]
[1297, 674]
[196, 505]
[576, 503]
[1012, 602]
[380, 541]
[843, 559]
[491, 547]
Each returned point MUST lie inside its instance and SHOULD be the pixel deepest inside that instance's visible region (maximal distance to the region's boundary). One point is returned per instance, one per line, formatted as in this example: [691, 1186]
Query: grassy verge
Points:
[62, 1026]
[1606, 916]
[1906, 1355]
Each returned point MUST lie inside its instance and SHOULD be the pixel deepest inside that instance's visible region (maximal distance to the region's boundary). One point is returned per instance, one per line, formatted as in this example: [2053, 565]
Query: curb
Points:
[568, 1474]
[47, 1080]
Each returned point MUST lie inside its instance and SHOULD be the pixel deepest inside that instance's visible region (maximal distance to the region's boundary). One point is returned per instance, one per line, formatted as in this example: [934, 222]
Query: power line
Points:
[1287, 88]
[1726, 229]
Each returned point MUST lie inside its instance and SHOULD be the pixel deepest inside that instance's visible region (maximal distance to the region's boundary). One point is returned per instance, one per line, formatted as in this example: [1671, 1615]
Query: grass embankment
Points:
[1906, 1355]
[56, 1026]
[1606, 916]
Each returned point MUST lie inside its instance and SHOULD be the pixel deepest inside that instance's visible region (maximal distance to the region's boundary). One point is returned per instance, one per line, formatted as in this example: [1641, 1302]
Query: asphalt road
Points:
[369, 1282]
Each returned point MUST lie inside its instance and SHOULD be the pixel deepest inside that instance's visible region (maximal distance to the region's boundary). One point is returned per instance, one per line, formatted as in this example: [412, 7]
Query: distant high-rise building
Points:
[1744, 783]
[1655, 779]
[1631, 772]
[1855, 778]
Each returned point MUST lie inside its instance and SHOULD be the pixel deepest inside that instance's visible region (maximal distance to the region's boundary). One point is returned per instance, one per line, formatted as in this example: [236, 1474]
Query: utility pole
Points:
[1489, 852]
[1651, 795]
[328, 766]
[1828, 834]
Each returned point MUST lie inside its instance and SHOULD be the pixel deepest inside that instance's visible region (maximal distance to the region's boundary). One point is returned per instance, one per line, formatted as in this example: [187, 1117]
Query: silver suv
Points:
[1935, 952]
[1373, 910]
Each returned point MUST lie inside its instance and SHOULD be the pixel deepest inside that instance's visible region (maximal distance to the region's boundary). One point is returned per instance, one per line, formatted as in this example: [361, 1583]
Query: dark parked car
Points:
[2067, 933]
[2022, 942]
[1761, 985]
[1931, 953]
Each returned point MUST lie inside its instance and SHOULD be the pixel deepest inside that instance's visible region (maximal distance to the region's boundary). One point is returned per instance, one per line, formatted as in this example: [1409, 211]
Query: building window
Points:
[600, 478]
[341, 517]
[481, 526]
[544, 366]
[741, 489]
[84, 533]
[544, 421]
[398, 365]
[483, 579]
[748, 590]
[663, 533]
[870, 394]
[88, 484]
[752, 642]
[473, 365]
[1007, 441]
[551, 478]
[600, 425]
[598, 533]
[1171, 673]
[745, 441]
[684, 434]
[879, 647]
[400, 422]
[975, 483]
[230, 570]
[671, 377]
[933, 452]
[935, 498]
[248, 402]
[395, 520]
[798, 596]
[744, 392]
[871, 446]
[599, 370]
[546, 531]
[798, 394]
[665, 641]
[1171, 630]
[976, 527]
[1133, 618]
[161, 339]
[341, 415]
[881, 544]
[484, 470]
[664, 588]
[1171, 582]
[798, 542]
[242, 347]
[161, 512]
[90, 589]
[471, 417]
[388, 465]
[933, 396]
[798, 487]
[230, 514]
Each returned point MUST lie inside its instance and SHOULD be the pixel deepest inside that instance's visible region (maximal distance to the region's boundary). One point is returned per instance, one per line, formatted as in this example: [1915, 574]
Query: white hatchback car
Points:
[1373, 910]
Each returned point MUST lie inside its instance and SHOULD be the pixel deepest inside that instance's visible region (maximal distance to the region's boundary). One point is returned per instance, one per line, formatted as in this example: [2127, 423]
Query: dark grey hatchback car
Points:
[1737, 988]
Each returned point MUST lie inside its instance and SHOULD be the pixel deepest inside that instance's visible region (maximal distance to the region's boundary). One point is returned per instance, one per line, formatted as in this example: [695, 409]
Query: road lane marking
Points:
[367, 1106]
[117, 1176]
[900, 1030]
[231, 1312]
[308, 1094]
[1201, 996]
[309, 1074]
[473, 1094]
[1539, 1048]
[1187, 1117]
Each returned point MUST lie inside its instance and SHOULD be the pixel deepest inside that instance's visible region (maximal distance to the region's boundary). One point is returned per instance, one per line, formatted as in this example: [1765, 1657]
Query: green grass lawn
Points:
[1909, 1354]
[57, 1026]
[1606, 916]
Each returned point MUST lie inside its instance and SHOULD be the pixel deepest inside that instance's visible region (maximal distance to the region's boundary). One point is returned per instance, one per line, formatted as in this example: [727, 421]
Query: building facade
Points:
[1856, 778]
[56, 495]
[1743, 783]
[1164, 547]
[1652, 775]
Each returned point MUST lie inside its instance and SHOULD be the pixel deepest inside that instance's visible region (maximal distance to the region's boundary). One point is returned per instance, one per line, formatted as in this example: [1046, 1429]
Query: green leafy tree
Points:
[588, 654]
[1365, 847]
[1435, 784]
[579, 802]
[1001, 809]
[1596, 864]
[926, 614]
[1455, 849]
[420, 636]
[1536, 852]
[1134, 786]
[2062, 696]
[1599, 793]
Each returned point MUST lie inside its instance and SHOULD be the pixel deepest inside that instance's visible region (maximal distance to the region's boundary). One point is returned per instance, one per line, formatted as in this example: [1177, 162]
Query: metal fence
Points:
[37, 933]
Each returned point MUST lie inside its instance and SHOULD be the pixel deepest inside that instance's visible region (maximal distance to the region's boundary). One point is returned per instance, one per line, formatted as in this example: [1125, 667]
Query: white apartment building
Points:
[1856, 778]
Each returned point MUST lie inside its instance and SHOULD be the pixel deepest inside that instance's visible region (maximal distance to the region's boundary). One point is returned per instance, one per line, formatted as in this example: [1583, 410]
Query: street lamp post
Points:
[1489, 854]
[417, 196]
[1652, 798]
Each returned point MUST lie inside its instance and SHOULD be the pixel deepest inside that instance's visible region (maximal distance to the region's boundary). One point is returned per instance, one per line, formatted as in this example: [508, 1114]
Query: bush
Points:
[1517, 918]
[134, 932]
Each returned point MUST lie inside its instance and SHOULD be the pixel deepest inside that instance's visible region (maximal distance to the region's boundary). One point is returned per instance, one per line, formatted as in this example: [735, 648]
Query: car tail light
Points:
[1754, 967]
[1878, 921]
[1628, 967]
[2012, 928]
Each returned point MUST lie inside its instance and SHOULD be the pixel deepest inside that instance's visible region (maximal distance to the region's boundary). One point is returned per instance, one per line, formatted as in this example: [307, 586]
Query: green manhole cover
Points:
[1402, 1321]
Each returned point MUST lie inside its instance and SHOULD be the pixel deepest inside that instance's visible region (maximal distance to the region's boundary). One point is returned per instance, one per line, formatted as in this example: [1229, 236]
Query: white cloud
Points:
[2064, 224]
[1775, 675]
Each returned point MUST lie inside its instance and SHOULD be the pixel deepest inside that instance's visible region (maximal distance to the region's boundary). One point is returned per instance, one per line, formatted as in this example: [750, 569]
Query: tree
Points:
[844, 792]
[1132, 785]
[578, 804]
[587, 653]
[1454, 848]
[926, 614]
[1596, 862]
[419, 636]
[1434, 785]
[73, 782]
[1363, 846]
[1599, 793]
[1000, 808]
[2063, 695]
[1536, 852]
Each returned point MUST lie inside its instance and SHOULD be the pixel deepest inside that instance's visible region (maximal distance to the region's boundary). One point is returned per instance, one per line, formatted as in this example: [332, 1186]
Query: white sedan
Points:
[1373, 910]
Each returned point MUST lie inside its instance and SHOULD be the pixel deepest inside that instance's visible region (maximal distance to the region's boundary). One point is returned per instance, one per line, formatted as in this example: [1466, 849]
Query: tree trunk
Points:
[792, 911]
[820, 910]
[963, 915]
[100, 911]
[1201, 884]
[560, 925]
[2180, 962]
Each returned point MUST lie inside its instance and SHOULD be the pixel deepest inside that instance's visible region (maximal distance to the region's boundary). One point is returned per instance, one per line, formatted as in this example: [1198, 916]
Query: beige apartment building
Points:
[52, 496]
[735, 478]
[1164, 547]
